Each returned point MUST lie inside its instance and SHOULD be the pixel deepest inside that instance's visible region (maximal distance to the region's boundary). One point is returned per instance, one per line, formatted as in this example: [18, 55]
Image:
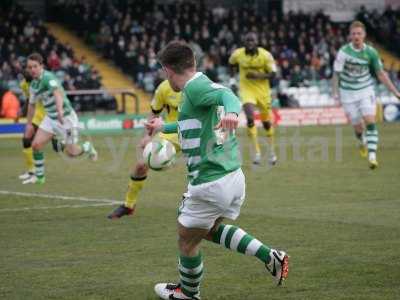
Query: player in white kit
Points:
[356, 66]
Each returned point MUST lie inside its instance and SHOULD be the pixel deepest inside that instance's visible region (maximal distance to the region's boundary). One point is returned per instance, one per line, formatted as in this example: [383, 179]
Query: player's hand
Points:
[153, 126]
[228, 122]
[152, 116]
[29, 130]
[60, 119]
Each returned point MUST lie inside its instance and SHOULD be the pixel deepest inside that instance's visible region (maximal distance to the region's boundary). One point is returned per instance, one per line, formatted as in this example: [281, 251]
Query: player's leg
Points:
[368, 111]
[264, 106]
[353, 112]
[136, 183]
[190, 265]
[28, 153]
[58, 146]
[249, 109]
[42, 137]
[360, 135]
[70, 134]
[236, 239]
[137, 179]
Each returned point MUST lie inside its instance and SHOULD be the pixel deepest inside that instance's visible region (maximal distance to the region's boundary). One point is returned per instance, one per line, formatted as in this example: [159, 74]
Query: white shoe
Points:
[273, 159]
[26, 175]
[278, 266]
[172, 291]
[373, 163]
[34, 180]
[93, 154]
[257, 158]
[90, 150]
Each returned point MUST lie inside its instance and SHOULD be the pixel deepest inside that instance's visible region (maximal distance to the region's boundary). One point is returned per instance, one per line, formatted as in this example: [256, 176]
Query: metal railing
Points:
[125, 94]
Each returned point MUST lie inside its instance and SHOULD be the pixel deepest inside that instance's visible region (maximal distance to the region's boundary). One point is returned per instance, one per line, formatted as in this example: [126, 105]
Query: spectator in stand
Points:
[21, 33]
[53, 61]
[297, 77]
[285, 70]
[93, 82]
[126, 31]
[10, 106]
[68, 83]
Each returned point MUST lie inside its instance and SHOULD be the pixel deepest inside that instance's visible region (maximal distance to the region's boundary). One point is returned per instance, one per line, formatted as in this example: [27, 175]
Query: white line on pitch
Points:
[58, 197]
[55, 207]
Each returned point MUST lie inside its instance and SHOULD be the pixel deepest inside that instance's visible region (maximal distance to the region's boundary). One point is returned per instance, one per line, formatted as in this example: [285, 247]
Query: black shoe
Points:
[121, 211]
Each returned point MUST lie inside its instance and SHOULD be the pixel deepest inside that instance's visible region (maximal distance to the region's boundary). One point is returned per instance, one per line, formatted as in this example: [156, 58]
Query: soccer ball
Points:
[159, 154]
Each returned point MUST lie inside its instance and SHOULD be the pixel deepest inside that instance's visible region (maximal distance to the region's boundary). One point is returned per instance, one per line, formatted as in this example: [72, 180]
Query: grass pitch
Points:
[338, 220]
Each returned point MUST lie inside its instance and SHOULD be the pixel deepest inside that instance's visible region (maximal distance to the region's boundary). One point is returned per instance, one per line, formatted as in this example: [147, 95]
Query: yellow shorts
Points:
[173, 138]
[263, 104]
[38, 118]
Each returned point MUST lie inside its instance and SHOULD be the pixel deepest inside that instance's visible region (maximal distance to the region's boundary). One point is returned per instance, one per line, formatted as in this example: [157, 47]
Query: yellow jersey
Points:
[262, 61]
[166, 98]
[40, 113]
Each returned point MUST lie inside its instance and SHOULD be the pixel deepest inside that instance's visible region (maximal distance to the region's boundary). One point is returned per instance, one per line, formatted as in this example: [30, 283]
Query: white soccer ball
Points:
[159, 154]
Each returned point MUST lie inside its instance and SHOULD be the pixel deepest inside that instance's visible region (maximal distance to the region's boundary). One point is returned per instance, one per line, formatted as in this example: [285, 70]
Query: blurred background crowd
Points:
[130, 33]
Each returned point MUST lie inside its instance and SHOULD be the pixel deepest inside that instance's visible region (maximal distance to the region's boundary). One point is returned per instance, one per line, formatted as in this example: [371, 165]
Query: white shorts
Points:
[358, 104]
[68, 133]
[203, 204]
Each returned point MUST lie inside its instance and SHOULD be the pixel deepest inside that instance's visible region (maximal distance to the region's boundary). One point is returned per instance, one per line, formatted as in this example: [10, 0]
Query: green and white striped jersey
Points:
[42, 90]
[208, 156]
[357, 68]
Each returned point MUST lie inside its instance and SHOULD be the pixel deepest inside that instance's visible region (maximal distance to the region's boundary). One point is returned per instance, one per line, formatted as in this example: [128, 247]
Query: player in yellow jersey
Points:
[165, 99]
[256, 67]
[28, 138]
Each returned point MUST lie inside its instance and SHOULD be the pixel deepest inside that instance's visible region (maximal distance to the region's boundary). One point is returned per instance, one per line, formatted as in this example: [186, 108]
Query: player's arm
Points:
[220, 96]
[157, 103]
[384, 78]
[155, 110]
[377, 66]
[335, 86]
[58, 96]
[31, 112]
[233, 67]
[25, 90]
[154, 122]
[157, 125]
[231, 104]
[338, 66]
[270, 69]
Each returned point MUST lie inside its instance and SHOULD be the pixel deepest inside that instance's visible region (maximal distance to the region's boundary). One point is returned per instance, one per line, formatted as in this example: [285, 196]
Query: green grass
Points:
[338, 220]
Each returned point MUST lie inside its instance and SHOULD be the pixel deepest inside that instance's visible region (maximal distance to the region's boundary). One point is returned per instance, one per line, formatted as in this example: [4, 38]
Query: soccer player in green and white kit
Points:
[355, 67]
[216, 186]
[60, 119]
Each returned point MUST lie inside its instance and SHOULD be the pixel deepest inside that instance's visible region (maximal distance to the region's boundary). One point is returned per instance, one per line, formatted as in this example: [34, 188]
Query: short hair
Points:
[251, 34]
[357, 24]
[178, 56]
[36, 57]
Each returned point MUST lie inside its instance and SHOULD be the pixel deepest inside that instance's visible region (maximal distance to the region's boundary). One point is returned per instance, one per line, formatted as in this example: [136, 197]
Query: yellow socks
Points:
[271, 138]
[28, 154]
[134, 187]
[252, 131]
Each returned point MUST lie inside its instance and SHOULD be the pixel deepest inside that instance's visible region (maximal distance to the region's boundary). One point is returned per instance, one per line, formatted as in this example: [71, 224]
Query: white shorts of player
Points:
[203, 204]
[68, 132]
[358, 104]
